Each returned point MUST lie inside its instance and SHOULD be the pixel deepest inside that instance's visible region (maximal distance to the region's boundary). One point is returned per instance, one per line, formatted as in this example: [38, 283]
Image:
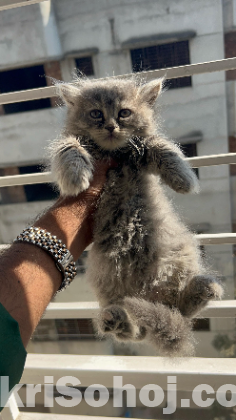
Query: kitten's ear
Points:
[150, 91]
[68, 93]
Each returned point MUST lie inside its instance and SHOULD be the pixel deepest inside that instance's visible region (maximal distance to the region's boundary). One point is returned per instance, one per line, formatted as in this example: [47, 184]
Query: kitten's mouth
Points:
[110, 141]
[111, 136]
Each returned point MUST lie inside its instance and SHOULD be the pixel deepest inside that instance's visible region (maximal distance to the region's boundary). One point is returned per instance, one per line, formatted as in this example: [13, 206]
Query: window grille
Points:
[74, 329]
[162, 56]
[85, 65]
[64, 329]
[201, 324]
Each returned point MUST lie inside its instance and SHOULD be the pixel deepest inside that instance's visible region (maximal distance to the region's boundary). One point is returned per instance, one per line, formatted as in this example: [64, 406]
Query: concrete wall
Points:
[28, 36]
[229, 14]
[15, 217]
[24, 136]
[88, 24]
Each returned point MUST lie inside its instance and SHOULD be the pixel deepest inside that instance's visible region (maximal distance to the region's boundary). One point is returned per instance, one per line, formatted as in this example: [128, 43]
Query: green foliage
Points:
[224, 344]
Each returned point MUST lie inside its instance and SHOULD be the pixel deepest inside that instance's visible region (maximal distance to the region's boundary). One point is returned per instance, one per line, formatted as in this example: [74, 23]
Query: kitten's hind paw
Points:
[208, 288]
[198, 292]
[114, 320]
[72, 169]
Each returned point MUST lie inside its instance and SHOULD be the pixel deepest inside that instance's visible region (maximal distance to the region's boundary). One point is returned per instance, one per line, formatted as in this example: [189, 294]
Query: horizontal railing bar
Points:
[169, 73]
[51, 416]
[216, 238]
[11, 4]
[27, 95]
[138, 370]
[42, 177]
[189, 69]
[26, 179]
[211, 160]
[72, 310]
[204, 239]
[89, 310]
[219, 309]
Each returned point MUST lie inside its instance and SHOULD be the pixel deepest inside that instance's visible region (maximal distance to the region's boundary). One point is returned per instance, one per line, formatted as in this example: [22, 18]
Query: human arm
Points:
[28, 275]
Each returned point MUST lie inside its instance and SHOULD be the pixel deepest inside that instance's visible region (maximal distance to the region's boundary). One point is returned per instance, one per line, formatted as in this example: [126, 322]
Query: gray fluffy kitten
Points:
[144, 265]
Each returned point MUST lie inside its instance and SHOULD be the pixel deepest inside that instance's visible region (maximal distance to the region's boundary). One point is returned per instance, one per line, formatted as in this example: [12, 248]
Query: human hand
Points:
[71, 218]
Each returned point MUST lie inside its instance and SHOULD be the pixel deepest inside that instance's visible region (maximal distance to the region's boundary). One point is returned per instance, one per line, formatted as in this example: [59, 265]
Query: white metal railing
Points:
[10, 4]
[137, 370]
[40, 178]
[216, 238]
[169, 73]
[89, 310]
[203, 239]
[50, 416]
[36, 178]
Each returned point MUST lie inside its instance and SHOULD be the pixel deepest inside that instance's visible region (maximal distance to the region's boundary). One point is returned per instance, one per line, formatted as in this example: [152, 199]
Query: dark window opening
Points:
[190, 150]
[203, 252]
[201, 324]
[64, 329]
[162, 56]
[24, 79]
[81, 263]
[85, 65]
[74, 329]
[37, 192]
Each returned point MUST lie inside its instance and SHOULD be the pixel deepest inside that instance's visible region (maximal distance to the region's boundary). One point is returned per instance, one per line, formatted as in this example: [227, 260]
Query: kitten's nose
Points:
[110, 127]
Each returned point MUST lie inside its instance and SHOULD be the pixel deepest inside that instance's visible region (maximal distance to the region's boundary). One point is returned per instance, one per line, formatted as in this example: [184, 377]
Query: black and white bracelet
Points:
[55, 247]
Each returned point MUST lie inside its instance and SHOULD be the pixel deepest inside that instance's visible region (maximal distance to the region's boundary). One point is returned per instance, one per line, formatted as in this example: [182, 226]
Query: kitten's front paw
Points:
[184, 182]
[73, 170]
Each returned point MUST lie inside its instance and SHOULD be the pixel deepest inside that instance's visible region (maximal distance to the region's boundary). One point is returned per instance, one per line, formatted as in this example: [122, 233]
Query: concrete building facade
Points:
[101, 37]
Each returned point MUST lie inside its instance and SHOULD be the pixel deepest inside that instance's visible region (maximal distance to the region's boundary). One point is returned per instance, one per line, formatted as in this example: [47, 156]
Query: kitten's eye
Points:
[124, 113]
[95, 113]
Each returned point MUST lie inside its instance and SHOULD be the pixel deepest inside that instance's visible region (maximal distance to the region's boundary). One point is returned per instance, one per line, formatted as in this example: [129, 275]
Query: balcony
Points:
[136, 370]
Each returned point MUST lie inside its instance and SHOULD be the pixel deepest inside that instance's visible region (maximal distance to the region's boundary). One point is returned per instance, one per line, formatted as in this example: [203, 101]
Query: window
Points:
[201, 324]
[85, 65]
[74, 329]
[37, 192]
[64, 329]
[190, 150]
[162, 56]
[81, 263]
[23, 79]
[23, 193]
[13, 194]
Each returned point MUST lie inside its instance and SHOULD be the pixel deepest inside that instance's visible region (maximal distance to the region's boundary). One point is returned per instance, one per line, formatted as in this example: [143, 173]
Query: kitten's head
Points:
[110, 111]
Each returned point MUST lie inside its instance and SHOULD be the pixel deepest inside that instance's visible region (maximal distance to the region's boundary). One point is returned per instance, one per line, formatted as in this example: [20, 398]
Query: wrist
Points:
[70, 220]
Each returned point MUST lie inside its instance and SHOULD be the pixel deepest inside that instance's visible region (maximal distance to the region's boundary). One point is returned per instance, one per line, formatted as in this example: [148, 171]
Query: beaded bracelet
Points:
[55, 247]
